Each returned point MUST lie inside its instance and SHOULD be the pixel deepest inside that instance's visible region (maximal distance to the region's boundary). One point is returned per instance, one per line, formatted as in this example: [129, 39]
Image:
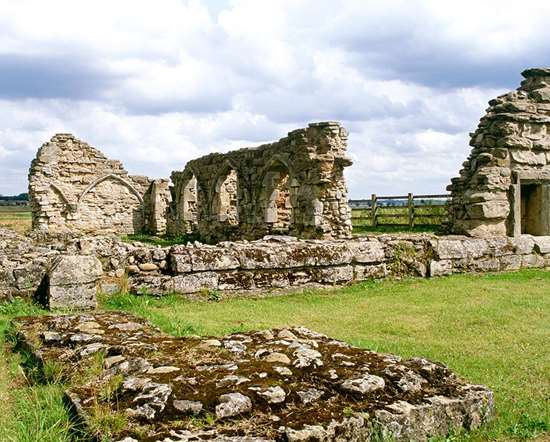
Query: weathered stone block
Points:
[373, 271]
[532, 261]
[195, 282]
[180, 261]
[441, 268]
[510, 262]
[213, 258]
[365, 252]
[542, 244]
[72, 282]
[523, 245]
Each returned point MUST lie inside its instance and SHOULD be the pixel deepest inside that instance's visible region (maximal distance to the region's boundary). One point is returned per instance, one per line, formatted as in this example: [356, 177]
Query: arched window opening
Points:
[189, 204]
[278, 195]
[225, 204]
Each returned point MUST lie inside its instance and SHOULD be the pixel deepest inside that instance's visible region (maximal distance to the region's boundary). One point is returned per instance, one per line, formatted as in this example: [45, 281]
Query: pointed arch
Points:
[115, 178]
[60, 192]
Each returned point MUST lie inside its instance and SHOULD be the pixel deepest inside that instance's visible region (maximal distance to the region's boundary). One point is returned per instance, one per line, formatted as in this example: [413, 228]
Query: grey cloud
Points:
[52, 77]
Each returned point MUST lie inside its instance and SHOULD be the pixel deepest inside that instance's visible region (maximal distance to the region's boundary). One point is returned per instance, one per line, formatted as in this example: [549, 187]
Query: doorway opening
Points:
[535, 209]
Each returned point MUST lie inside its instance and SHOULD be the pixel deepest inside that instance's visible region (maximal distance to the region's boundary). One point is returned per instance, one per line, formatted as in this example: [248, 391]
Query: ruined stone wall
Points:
[284, 264]
[74, 187]
[511, 151]
[294, 186]
[263, 265]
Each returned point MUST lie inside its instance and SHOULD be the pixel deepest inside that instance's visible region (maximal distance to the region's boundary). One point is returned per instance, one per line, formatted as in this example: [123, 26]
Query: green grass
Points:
[362, 222]
[397, 228]
[29, 412]
[492, 329]
[163, 241]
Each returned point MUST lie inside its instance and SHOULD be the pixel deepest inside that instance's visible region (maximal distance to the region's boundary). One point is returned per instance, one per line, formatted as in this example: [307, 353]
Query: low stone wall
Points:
[283, 262]
[271, 263]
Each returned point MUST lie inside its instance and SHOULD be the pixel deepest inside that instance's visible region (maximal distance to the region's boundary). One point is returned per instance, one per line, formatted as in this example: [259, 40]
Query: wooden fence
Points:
[400, 210]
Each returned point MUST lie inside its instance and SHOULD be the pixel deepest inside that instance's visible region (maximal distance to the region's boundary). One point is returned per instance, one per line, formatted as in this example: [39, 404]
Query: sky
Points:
[158, 83]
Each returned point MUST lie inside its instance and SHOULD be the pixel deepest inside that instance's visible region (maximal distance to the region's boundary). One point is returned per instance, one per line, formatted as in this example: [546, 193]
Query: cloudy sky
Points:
[157, 83]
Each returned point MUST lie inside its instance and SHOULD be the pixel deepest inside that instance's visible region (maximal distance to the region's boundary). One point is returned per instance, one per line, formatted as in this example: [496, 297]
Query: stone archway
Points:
[277, 198]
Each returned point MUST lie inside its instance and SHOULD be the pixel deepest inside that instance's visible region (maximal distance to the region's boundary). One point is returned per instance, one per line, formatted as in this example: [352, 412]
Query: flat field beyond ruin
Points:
[15, 218]
[491, 329]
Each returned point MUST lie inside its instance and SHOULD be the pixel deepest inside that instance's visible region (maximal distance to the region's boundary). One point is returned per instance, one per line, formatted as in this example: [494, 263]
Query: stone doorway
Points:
[535, 208]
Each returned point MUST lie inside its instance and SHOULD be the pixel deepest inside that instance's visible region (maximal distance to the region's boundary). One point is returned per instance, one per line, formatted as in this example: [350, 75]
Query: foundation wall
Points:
[264, 265]
[283, 264]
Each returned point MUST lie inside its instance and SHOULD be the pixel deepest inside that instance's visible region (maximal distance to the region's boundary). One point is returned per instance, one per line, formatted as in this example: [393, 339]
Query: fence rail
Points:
[410, 209]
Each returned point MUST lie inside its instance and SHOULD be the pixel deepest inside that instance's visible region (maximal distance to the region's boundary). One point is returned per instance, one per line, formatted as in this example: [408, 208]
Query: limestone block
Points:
[271, 279]
[523, 245]
[236, 280]
[195, 282]
[488, 210]
[542, 244]
[372, 271]
[451, 248]
[262, 257]
[336, 275]
[441, 268]
[367, 251]
[529, 157]
[486, 265]
[213, 258]
[72, 281]
[532, 261]
[180, 261]
[510, 262]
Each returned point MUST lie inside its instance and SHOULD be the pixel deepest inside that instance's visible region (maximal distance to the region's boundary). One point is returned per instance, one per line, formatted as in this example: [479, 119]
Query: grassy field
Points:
[491, 329]
[396, 218]
[15, 218]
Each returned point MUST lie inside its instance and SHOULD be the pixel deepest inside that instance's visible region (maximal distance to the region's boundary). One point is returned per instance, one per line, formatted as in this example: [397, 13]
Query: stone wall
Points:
[270, 263]
[74, 187]
[504, 186]
[294, 186]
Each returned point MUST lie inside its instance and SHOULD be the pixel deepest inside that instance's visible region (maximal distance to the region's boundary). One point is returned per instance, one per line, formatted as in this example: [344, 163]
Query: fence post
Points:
[410, 205]
[373, 207]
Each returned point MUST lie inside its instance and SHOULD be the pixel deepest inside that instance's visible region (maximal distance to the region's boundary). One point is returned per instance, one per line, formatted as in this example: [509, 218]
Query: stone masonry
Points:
[74, 187]
[504, 186]
[273, 263]
[289, 384]
[294, 186]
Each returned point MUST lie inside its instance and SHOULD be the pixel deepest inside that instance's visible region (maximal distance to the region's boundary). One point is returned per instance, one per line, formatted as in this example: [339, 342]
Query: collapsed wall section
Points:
[294, 186]
[74, 187]
[504, 186]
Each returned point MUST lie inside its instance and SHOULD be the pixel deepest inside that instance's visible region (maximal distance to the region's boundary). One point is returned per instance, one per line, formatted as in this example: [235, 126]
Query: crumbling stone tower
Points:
[504, 186]
[294, 186]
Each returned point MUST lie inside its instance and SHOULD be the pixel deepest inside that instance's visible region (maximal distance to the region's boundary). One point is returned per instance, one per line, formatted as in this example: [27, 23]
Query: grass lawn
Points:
[491, 329]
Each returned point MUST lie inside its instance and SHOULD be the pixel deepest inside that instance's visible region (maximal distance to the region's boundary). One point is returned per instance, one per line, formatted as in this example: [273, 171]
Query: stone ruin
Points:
[294, 186]
[504, 187]
[74, 187]
[292, 384]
